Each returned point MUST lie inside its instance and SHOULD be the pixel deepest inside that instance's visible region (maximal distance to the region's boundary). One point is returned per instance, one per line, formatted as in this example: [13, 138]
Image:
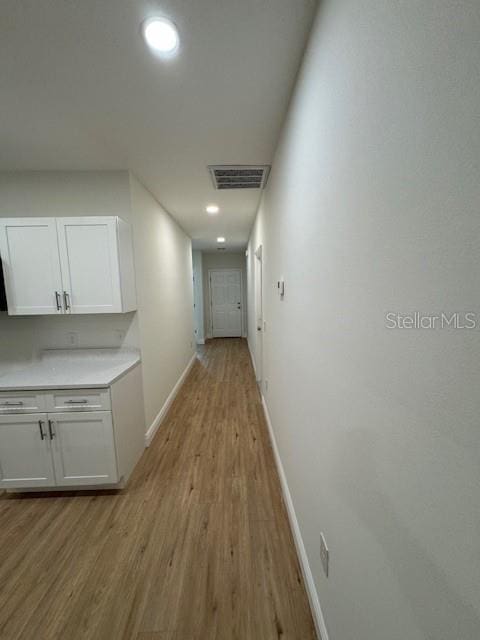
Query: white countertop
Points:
[70, 369]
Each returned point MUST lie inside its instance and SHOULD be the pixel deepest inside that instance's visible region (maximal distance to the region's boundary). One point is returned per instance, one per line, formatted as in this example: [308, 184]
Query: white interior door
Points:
[83, 448]
[258, 283]
[25, 452]
[90, 267]
[226, 303]
[31, 265]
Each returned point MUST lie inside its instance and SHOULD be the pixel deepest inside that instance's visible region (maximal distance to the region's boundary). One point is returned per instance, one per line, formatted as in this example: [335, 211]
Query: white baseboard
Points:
[152, 429]
[317, 614]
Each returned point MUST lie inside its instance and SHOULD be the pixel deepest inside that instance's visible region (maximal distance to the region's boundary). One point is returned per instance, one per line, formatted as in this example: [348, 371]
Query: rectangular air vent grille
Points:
[239, 176]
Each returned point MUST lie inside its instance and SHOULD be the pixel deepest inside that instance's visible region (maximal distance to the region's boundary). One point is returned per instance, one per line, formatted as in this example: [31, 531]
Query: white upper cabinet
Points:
[31, 266]
[68, 265]
[90, 265]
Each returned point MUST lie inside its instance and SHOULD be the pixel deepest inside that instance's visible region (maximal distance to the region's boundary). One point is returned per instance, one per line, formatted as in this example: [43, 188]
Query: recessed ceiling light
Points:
[212, 209]
[161, 35]
[221, 239]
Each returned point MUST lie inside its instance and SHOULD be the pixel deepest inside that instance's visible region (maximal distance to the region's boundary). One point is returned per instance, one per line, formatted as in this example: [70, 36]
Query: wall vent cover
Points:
[241, 176]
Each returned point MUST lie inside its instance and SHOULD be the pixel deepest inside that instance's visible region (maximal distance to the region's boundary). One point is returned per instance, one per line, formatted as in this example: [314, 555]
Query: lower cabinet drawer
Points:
[21, 402]
[78, 400]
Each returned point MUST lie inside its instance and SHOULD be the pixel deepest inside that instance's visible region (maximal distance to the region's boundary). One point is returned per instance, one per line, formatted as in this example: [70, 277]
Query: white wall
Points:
[198, 314]
[163, 263]
[163, 326]
[223, 260]
[372, 206]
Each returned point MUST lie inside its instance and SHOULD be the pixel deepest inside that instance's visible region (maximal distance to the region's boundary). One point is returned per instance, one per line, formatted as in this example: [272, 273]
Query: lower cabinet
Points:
[25, 452]
[65, 438]
[64, 449]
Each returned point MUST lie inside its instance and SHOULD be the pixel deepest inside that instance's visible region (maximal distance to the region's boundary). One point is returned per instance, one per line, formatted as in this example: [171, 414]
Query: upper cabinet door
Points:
[90, 264]
[31, 266]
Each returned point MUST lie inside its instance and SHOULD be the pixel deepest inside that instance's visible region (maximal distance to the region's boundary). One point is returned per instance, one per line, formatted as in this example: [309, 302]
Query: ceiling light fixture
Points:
[161, 35]
[221, 239]
[212, 209]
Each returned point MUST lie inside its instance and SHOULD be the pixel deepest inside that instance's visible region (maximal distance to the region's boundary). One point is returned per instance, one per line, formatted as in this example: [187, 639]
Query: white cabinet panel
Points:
[22, 402]
[90, 264]
[31, 265]
[78, 400]
[83, 448]
[25, 452]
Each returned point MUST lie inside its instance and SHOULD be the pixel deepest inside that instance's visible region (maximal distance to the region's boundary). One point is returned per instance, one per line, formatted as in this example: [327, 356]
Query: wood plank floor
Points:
[197, 547]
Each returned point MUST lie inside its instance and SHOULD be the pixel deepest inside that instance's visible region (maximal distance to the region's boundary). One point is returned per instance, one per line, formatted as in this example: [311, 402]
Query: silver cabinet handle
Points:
[7, 403]
[76, 401]
[40, 426]
[50, 429]
[66, 301]
[58, 300]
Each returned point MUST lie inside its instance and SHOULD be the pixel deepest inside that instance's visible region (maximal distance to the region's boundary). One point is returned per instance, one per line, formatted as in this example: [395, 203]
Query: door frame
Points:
[210, 271]
[258, 306]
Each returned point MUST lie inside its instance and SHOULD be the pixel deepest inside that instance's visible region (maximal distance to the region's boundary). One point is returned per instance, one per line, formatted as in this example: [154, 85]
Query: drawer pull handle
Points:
[12, 404]
[76, 401]
[66, 301]
[40, 426]
[50, 429]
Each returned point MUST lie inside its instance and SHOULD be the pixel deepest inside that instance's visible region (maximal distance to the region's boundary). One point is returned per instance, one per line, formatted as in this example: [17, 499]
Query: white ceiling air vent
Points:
[241, 176]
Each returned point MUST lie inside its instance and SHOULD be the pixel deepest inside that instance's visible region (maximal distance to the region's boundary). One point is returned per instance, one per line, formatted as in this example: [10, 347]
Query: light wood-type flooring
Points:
[196, 547]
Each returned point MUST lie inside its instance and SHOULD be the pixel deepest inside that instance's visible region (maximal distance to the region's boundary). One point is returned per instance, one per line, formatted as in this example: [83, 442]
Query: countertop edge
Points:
[83, 385]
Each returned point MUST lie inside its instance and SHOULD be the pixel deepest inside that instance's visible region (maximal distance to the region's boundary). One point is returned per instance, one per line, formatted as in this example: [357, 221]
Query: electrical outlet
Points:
[72, 339]
[324, 554]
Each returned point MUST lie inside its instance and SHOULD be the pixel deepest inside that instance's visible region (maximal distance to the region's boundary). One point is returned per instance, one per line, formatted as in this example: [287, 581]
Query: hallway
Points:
[197, 547]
